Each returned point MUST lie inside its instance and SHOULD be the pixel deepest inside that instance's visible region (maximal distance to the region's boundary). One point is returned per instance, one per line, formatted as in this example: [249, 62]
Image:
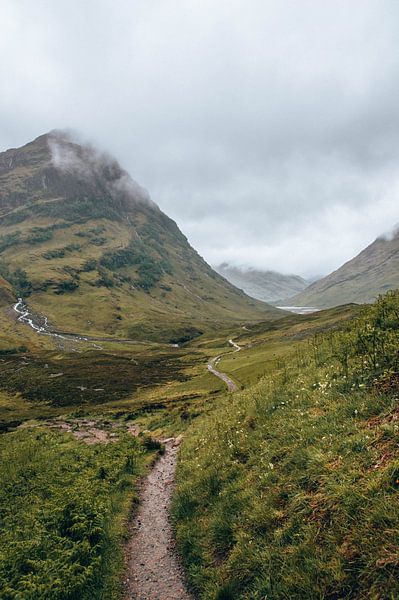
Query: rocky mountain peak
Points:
[55, 166]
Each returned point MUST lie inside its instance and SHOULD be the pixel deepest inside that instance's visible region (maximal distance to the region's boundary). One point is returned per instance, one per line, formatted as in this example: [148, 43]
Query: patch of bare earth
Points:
[94, 431]
[153, 570]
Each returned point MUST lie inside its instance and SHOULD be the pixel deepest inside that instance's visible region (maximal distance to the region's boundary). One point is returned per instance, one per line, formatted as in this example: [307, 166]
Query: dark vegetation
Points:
[290, 489]
[149, 268]
[171, 333]
[61, 504]
[104, 377]
[66, 286]
[8, 240]
[61, 252]
[94, 235]
[80, 210]
[36, 235]
[72, 210]
[18, 279]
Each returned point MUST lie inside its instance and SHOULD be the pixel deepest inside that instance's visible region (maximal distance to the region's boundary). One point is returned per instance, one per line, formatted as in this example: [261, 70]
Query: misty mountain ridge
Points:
[74, 224]
[55, 166]
[362, 279]
[268, 286]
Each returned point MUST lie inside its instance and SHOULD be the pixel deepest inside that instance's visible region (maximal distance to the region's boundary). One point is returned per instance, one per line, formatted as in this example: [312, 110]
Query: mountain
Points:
[267, 286]
[86, 246]
[6, 292]
[372, 272]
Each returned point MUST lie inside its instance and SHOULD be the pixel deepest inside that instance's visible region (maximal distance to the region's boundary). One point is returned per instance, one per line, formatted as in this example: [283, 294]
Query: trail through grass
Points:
[62, 506]
[290, 488]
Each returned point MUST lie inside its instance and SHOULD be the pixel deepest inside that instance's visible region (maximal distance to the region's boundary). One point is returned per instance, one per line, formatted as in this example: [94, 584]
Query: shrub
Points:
[66, 286]
[38, 235]
[9, 240]
[18, 279]
[149, 269]
[89, 265]
[56, 542]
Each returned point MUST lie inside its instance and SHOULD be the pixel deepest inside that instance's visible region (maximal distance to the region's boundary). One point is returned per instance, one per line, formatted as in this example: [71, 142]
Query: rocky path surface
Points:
[153, 568]
[212, 364]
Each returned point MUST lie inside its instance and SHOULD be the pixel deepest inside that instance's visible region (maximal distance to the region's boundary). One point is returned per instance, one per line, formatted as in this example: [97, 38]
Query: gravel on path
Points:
[153, 569]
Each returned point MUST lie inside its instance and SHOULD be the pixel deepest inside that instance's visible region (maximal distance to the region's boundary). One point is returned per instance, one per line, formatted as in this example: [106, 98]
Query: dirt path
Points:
[212, 364]
[153, 568]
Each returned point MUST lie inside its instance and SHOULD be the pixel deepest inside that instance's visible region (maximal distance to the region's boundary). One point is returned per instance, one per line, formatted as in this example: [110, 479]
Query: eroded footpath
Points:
[153, 569]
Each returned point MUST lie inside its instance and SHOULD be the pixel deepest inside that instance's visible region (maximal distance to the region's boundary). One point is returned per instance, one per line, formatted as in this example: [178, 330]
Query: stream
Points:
[39, 323]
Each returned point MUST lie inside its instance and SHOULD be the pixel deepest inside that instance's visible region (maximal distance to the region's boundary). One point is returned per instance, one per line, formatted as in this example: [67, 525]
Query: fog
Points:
[72, 154]
[269, 130]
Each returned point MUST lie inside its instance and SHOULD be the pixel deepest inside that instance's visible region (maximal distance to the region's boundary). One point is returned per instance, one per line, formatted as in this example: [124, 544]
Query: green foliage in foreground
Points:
[290, 489]
[60, 501]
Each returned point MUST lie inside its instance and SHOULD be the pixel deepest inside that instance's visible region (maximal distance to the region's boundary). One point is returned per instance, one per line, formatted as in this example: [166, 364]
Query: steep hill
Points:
[267, 286]
[87, 247]
[372, 272]
[6, 292]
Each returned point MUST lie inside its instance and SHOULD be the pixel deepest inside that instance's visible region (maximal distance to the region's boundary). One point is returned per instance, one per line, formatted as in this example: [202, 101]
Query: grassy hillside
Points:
[87, 247]
[286, 489]
[372, 272]
[47, 473]
[289, 489]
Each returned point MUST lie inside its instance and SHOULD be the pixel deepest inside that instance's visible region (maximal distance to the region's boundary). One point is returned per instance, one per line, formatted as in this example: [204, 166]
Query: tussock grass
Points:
[290, 488]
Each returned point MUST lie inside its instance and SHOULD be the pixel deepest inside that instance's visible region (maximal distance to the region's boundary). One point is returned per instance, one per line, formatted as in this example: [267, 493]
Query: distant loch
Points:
[300, 310]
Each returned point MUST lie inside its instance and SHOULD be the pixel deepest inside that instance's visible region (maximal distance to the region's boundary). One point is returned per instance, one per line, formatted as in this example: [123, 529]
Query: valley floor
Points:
[285, 489]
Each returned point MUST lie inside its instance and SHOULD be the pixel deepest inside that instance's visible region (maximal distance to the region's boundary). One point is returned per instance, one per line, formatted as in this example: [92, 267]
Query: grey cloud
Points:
[390, 235]
[268, 130]
[71, 154]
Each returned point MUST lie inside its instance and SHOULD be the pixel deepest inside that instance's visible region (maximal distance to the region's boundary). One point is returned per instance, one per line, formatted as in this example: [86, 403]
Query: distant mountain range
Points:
[268, 286]
[372, 272]
[86, 246]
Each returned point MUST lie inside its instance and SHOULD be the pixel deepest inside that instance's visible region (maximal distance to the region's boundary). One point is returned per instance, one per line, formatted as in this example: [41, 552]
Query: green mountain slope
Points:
[372, 272]
[268, 286]
[89, 249]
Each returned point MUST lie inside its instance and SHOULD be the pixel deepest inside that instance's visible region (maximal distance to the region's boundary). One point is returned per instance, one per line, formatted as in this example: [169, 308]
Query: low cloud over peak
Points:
[84, 160]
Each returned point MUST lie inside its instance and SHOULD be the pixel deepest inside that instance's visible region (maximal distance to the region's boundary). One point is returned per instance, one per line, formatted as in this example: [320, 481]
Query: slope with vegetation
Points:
[372, 272]
[87, 247]
[290, 488]
[287, 489]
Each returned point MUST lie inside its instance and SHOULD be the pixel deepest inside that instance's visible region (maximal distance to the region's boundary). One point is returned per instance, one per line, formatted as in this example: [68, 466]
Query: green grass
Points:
[281, 486]
[266, 346]
[157, 288]
[63, 505]
[290, 488]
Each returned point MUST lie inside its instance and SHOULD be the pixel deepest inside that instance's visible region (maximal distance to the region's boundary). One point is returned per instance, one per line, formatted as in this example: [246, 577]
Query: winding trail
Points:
[153, 568]
[212, 364]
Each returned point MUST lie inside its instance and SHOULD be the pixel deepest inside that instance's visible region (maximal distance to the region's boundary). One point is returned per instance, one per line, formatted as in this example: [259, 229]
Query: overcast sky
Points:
[268, 129]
